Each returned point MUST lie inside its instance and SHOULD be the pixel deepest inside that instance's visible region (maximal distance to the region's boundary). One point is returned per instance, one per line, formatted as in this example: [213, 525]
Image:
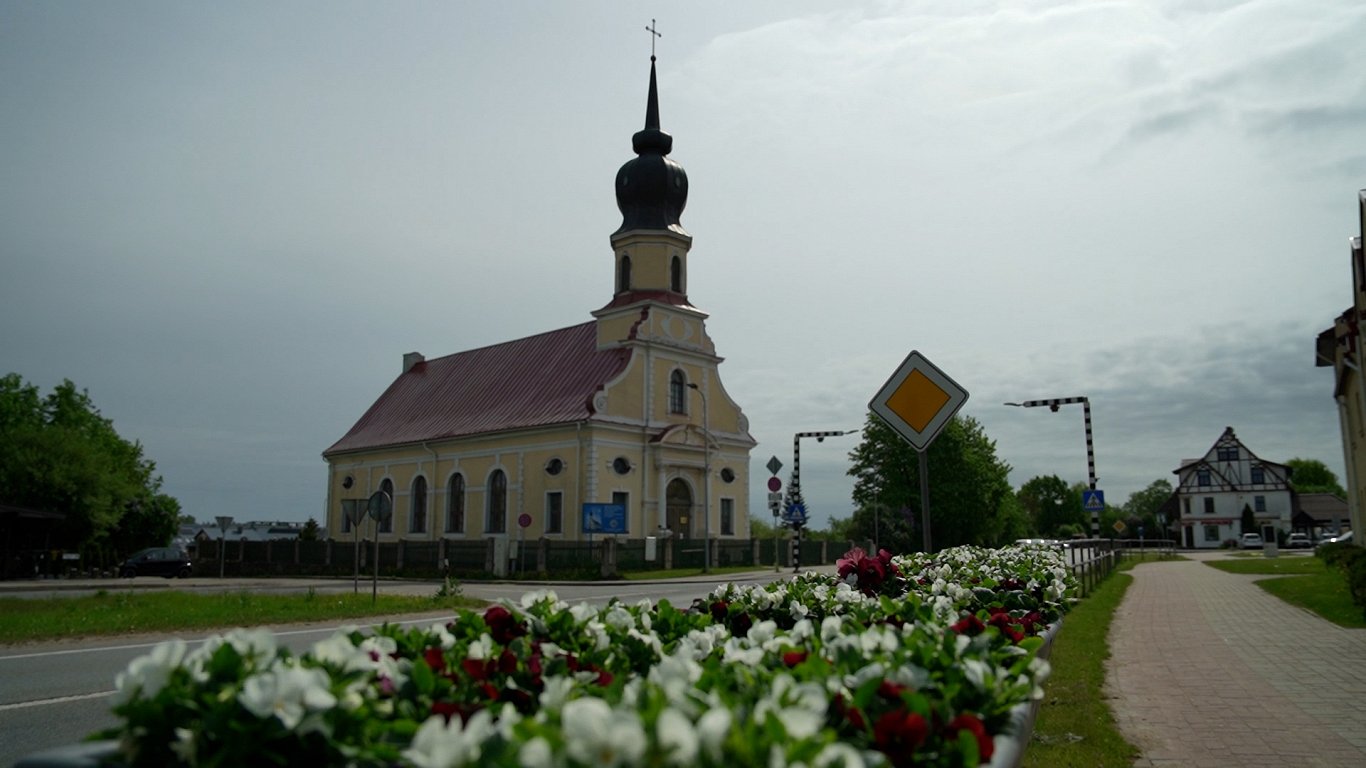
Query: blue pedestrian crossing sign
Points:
[1093, 501]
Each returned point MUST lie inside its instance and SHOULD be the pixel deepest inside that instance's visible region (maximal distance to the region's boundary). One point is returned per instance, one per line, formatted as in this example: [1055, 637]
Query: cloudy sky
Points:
[229, 221]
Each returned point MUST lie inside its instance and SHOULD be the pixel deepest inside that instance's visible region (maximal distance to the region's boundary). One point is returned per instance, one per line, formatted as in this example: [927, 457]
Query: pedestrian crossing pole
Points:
[794, 502]
[1053, 406]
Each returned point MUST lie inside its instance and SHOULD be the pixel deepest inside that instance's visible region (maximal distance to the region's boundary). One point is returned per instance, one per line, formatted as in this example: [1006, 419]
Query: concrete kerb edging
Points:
[1009, 748]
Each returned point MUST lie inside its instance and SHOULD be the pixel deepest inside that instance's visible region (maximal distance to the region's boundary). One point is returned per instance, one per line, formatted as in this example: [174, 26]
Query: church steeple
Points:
[652, 189]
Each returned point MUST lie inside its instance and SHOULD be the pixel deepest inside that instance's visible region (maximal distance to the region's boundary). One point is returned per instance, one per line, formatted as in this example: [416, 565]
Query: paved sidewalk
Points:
[1207, 669]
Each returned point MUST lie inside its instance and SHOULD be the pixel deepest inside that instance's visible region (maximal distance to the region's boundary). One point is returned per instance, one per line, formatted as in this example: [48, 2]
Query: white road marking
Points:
[58, 700]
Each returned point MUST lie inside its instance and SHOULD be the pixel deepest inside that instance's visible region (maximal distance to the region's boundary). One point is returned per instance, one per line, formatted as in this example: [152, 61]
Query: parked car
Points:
[1298, 540]
[1342, 537]
[1251, 541]
[158, 561]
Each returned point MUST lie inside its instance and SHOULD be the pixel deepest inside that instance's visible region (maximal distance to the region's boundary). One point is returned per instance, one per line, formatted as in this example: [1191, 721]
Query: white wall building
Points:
[1213, 490]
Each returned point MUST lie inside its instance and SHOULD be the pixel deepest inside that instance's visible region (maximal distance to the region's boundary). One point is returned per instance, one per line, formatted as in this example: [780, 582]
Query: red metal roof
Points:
[541, 380]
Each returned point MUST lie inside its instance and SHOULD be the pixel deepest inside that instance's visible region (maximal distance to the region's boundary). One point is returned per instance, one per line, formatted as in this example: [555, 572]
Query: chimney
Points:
[410, 359]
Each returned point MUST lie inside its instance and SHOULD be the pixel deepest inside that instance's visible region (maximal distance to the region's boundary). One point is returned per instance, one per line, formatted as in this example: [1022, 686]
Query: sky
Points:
[228, 221]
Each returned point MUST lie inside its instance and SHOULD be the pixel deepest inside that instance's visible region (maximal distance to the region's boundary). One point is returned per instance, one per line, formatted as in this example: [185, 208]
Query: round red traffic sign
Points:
[774, 484]
[524, 520]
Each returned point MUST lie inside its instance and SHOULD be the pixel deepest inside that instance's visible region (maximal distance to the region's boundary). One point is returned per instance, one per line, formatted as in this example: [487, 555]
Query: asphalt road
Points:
[55, 694]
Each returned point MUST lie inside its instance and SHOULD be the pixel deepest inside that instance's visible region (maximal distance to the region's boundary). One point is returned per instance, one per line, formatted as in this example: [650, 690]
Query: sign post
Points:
[380, 506]
[775, 502]
[917, 402]
[224, 521]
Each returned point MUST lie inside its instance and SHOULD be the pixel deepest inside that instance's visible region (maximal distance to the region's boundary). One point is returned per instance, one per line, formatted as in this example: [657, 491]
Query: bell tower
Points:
[650, 248]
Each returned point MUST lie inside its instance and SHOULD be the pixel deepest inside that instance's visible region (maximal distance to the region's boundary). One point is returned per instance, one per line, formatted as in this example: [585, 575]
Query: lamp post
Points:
[1053, 405]
[706, 480]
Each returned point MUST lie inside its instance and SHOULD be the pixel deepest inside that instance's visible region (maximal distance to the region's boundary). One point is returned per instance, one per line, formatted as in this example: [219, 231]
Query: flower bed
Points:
[901, 660]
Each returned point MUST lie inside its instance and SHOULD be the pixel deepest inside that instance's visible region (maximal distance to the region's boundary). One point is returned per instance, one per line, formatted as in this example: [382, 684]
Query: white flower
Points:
[287, 692]
[596, 735]
[443, 636]
[712, 729]
[148, 674]
[442, 744]
[340, 651]
[256, 645]
[535, 754]
[798, 611]
[677, 736]
[618, 617]
[978, 673]
[480, 649]
[832, 627]
[184, 745]
[555, 692]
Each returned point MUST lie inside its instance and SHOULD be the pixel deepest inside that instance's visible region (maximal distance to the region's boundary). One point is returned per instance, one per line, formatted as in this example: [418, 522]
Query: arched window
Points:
[497, 512]
[678, 392]
[417, 506]
[387, 525]
[676, 275]
[624, 274]
[455, 504]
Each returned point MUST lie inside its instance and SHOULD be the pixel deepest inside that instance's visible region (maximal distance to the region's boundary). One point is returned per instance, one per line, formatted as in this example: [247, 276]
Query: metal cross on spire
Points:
[653, 34]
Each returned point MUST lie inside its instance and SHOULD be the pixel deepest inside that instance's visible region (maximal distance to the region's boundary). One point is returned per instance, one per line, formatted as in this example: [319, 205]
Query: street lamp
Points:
[1053, 405]
[706, 480]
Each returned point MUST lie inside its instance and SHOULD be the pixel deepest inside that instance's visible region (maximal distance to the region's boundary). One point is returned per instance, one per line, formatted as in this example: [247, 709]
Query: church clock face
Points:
[678, 329]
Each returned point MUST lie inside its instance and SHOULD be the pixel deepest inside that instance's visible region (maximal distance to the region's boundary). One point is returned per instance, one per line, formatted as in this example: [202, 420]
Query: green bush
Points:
[1351, 562]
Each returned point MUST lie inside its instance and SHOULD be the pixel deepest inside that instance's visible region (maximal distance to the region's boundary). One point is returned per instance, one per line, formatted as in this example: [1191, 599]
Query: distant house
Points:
[192, 534]
[1340, 346]
[1213, 490]
[1320, 514]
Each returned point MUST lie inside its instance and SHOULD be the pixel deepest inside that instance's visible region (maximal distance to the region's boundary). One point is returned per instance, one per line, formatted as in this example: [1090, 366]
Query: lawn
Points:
[114, 613]
[1307, 583]
[1075, 726]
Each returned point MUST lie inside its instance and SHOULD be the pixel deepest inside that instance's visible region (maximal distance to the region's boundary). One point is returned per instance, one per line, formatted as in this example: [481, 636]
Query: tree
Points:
[310, 531]
[1145, 503]
[968, 486]
[1313, 476]
[59, 454]
[1049, 504]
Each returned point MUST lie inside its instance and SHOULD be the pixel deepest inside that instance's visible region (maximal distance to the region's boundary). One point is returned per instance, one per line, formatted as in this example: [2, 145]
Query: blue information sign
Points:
[795, 513]
[604, 518]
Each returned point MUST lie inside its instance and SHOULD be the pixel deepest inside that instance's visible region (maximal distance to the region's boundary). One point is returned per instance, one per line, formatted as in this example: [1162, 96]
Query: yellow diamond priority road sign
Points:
[918, 400]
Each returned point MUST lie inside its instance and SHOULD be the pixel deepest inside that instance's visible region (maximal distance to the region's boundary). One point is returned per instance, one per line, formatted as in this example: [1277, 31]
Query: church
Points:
[529, 437]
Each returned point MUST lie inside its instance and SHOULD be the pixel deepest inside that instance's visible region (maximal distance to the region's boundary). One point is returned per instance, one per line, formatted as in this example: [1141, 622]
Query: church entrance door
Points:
[678, 506]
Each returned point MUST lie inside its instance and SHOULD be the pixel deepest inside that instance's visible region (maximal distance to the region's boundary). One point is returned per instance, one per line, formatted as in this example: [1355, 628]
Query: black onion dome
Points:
[652, 190]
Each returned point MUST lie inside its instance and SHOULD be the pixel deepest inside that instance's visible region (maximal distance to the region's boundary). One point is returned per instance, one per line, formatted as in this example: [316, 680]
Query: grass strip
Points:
[1075, 726]
[115, 613]
[1309, 583]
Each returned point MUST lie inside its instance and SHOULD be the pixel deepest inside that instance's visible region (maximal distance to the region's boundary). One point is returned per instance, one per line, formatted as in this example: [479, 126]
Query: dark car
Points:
[157, 561]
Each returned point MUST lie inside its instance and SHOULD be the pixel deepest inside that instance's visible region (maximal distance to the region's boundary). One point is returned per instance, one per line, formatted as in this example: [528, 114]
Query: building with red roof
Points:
[626, 410]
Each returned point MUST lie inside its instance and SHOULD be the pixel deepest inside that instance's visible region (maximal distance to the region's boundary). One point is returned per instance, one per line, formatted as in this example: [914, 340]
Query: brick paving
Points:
[1207, 669]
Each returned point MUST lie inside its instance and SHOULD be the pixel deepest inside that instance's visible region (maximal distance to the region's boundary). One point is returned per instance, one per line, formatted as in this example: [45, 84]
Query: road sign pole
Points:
[925, 496]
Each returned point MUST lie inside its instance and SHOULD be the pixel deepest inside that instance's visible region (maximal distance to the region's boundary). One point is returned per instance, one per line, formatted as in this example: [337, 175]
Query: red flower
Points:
[718, 611]
[853, 715]
[477, 669]
[1002, 621]
[507, 662]
[969, 625]
[793, 658]
[446, 709]
[899, 734]
[740, 624]
[890, 690]
[435, 659]
[967, 722]
[503, 626]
